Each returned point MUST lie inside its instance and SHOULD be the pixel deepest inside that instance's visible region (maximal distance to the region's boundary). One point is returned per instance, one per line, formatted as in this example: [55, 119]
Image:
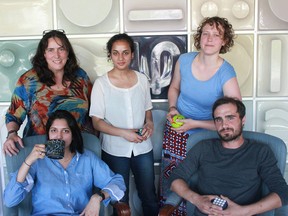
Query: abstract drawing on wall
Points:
[155, 57]
[15, 59]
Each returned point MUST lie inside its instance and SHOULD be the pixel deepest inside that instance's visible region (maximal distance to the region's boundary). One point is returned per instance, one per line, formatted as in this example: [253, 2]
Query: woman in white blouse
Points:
[120, 106]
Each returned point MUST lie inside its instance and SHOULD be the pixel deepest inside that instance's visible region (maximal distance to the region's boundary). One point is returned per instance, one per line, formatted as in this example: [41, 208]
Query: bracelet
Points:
[26, 163]
[174, 107]
[10, 132]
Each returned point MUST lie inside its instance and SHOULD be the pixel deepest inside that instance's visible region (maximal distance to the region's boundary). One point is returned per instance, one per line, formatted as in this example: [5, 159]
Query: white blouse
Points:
[122, 108]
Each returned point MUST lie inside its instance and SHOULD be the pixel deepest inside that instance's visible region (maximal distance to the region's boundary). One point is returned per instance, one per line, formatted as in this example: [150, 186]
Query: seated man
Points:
[230, 167]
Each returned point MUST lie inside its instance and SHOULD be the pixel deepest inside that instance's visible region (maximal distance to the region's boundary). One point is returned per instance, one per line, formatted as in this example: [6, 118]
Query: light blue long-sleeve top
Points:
[56, 190]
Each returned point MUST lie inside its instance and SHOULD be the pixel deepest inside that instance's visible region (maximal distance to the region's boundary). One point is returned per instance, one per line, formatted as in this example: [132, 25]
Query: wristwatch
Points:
[101, 194]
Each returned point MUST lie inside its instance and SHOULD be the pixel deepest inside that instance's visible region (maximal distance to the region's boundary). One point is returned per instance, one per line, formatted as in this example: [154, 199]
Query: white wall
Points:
[259, 55]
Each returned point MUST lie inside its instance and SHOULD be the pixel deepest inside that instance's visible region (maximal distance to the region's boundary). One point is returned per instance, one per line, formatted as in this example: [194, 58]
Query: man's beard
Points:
[230, 137]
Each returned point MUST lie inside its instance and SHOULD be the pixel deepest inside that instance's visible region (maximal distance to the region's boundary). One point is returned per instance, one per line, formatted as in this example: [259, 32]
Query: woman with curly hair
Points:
[199, 79]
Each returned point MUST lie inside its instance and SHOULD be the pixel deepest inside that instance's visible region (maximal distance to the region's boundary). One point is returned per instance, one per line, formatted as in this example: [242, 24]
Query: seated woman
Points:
[64, 186]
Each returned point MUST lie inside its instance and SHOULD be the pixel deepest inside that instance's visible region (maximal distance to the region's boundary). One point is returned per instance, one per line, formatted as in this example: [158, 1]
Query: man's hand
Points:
[203, 203]
[232, 210]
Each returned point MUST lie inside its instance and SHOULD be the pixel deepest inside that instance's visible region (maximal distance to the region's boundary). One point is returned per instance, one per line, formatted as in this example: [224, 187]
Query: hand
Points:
[9, 146]
[148, 129]
[203, 203]
[132, 136]
[188, 125]
[171, 114]
[232, 210]
[185, 127]
[93, 207]
[38, 152]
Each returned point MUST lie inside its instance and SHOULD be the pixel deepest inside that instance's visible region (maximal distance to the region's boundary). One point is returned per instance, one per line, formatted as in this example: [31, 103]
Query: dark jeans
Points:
[142, 167]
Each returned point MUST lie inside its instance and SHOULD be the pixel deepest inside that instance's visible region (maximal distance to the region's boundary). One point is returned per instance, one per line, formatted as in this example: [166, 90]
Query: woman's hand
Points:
[93, 207]
[172, 112]
[188, 124]
[38, 152]
[9, 146]
[148, 129]
[192, 124]
[132, 136]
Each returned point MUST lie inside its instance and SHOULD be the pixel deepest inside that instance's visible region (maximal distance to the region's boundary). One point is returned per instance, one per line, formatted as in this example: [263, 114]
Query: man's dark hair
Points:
[77, 140]
[229, 100]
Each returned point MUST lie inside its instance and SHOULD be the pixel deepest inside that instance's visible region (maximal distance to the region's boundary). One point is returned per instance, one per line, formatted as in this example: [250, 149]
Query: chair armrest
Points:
[172, 202]
[166, 210]
[122, 208]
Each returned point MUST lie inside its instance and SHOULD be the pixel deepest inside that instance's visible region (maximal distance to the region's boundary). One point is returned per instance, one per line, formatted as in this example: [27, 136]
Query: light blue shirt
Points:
[56, 190]
[197, 97]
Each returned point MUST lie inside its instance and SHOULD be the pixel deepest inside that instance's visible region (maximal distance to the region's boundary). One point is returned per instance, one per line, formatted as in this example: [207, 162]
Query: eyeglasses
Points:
[58, 30]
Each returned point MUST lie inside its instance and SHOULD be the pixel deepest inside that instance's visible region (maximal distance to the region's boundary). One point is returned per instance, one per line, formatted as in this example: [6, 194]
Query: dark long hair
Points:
[40, 64]
[228, 34]
[77, 140]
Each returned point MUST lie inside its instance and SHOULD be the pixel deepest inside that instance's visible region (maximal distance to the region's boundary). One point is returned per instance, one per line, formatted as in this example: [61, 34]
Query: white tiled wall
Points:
[259, 55]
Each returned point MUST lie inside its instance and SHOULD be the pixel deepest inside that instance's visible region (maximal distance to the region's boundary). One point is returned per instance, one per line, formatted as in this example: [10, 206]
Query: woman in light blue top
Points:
[64, 186]
[199, 79]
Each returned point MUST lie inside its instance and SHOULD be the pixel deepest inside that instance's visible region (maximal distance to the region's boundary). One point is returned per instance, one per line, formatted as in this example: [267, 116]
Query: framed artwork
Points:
[155, 57]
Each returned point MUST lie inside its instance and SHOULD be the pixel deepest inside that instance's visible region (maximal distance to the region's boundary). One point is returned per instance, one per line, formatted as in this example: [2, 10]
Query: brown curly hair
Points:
[228, 34]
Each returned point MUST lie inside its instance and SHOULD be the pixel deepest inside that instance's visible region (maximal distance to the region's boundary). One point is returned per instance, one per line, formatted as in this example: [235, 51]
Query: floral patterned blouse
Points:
[36, 100]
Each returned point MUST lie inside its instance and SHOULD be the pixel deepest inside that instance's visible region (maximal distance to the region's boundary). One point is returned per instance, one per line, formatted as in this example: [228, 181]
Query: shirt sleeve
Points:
[227, 72]
[17, 110]
[148, 102]
[108, 181]
[97, 107]
[271, 175]
[188, 166]
[88, 81]
[15, 191]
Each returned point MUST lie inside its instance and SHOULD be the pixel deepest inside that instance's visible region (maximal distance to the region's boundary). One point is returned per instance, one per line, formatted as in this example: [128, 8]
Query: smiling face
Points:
[60, 130]
[211, 39]
[228, 122]
[121, 55]
[56, 55]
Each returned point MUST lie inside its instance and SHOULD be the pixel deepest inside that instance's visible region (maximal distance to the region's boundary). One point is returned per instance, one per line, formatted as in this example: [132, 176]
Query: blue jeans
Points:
[142, 167]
